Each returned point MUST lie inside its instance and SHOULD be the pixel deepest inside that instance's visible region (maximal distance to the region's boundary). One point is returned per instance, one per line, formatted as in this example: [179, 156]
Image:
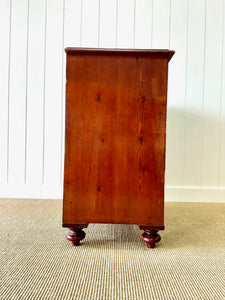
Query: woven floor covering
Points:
[37, 262]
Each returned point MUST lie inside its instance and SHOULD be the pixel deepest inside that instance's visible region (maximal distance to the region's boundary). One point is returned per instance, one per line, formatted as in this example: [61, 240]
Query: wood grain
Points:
[115, 136]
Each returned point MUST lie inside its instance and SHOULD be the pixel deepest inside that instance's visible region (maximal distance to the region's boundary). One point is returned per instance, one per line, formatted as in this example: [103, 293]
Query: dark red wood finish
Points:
[76, 234]
[115, 136]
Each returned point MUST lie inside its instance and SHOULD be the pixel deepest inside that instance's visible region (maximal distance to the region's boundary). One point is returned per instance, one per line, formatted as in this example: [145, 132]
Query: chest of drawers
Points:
[115, 139]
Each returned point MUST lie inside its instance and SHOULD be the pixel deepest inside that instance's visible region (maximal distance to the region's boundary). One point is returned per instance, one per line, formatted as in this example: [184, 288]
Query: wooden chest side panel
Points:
[115, 139]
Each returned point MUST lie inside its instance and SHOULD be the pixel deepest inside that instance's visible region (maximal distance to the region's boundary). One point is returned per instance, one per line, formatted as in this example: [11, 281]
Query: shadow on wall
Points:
[195, 149]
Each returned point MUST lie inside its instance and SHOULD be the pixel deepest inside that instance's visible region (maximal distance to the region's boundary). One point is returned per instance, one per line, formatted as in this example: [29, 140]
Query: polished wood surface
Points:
[76, 234]
[115, 136]
[150, 235]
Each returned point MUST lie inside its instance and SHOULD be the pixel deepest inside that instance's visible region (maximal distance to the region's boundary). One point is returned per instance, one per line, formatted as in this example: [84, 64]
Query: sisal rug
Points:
[37, 262]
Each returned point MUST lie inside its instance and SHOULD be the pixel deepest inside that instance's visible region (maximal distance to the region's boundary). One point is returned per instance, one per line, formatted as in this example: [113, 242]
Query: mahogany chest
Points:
[116, 102]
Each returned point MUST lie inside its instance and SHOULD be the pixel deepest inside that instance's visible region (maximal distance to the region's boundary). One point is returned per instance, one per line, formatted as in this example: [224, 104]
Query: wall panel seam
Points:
[117, 23]
[170, 24]
[62, 96]
[203, 96]
[9, 75]
[81, 21]
[221, 95]
[134, 36]
[99, 10]
[44, 98]
[185, 99]
[152, 24]
[27, 82]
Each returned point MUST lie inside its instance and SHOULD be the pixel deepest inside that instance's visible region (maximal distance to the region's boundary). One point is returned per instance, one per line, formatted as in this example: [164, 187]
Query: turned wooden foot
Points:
[76, 234]
[150, 235]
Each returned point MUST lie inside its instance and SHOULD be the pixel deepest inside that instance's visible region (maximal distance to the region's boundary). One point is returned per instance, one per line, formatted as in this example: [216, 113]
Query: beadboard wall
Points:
[32, 86]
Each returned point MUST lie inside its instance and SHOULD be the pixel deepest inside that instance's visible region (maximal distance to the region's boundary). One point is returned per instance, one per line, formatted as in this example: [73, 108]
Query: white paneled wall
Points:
[32, 86]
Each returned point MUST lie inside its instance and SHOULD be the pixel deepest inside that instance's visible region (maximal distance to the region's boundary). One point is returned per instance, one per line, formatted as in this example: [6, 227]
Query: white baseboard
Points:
[172, 193]
[194, 194]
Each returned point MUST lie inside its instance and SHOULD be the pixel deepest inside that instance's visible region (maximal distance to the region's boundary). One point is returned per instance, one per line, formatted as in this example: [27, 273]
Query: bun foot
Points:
[76, 234]
[150, 235]
[151, 238]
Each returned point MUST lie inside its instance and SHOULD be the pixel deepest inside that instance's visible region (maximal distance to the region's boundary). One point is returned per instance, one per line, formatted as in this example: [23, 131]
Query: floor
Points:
[37, 262]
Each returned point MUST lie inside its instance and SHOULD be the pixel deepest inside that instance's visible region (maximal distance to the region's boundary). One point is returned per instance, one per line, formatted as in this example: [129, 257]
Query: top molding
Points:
[124, 52]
